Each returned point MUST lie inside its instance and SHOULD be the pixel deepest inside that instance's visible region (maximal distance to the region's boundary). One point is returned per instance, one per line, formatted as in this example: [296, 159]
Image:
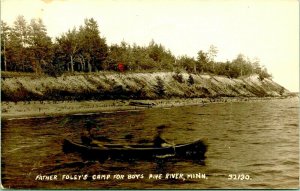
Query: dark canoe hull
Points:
[141, 104]
[194, 150]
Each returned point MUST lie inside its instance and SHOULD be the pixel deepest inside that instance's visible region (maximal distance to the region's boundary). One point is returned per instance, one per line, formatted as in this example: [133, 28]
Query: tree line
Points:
[26, 47]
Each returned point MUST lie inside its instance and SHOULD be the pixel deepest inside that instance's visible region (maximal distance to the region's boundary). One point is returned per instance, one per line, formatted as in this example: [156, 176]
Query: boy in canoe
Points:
[158, 141]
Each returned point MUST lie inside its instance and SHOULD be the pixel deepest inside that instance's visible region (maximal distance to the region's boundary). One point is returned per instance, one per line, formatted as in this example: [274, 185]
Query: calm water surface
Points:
[259, 139]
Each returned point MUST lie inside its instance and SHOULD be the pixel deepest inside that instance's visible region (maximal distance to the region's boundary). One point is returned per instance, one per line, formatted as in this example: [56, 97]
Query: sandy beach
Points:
[28, 109]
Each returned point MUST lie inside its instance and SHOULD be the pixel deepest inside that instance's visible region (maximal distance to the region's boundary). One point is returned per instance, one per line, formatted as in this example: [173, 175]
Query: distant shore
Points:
[35, 109]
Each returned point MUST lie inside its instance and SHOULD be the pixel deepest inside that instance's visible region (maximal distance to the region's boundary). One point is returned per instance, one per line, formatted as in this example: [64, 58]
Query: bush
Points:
[178, 77]
[53, 70]
[264, 74]
[191, 80]
[159, 88]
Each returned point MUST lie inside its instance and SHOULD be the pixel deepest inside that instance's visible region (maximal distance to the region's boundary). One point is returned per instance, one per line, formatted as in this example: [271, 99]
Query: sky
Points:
[267, 30]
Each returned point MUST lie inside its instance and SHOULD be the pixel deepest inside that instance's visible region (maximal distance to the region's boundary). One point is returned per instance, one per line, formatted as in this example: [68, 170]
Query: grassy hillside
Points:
[100, 86]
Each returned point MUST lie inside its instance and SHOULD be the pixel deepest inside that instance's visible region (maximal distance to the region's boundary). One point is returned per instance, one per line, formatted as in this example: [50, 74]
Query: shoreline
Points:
[43, 109]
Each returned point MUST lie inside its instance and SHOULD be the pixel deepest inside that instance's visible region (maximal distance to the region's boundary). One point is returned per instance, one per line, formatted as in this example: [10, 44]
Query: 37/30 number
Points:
[239, 177]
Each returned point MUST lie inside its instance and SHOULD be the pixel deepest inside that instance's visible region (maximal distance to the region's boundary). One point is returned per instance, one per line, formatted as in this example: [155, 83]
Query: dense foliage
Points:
[26, 47]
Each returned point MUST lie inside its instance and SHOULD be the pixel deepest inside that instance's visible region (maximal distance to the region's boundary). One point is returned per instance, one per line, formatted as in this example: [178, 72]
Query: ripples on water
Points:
[260, 139]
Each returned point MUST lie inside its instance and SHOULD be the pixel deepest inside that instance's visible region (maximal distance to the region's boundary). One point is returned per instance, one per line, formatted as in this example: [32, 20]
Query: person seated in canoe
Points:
[85, 138]
[158, 141]
[91, 135]
[88, 134]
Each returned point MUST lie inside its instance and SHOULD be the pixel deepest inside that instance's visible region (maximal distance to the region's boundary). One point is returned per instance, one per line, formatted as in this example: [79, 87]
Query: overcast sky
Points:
[264, 29]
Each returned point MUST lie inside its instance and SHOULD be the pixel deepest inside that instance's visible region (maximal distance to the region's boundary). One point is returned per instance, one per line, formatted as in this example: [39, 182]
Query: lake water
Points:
[256, 140]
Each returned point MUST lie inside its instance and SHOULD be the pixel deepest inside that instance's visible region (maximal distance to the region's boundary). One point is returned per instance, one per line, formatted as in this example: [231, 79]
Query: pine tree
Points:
[40, 45]
[159, 88]
[92, 47]
[18, 45]
[5, 30]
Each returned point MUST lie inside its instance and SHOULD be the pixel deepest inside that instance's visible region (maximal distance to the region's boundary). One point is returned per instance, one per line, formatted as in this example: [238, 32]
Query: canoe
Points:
[194, 150]
[141, 104]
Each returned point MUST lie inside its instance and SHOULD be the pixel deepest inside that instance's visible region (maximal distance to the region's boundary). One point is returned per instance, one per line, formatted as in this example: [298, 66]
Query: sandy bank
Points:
[13, 110]
[141, 86]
